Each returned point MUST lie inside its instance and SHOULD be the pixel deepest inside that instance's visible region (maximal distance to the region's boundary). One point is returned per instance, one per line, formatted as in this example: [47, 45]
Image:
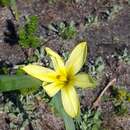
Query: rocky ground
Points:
[108, 34]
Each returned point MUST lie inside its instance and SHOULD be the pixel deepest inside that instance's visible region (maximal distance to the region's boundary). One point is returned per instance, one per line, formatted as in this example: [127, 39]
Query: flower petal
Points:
[83, 80]
[40, 72]
[57, 61]
[77, 58]
[52, 88]
[70, 100]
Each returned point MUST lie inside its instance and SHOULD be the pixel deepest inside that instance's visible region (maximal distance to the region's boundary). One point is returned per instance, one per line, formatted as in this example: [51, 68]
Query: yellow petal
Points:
[77, 58]
[52, 88]
[83, 80]
[57, 61]
[70, 100]
[40, 72]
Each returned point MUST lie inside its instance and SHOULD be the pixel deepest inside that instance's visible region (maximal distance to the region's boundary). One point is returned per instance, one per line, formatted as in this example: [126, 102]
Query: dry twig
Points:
[97, 101]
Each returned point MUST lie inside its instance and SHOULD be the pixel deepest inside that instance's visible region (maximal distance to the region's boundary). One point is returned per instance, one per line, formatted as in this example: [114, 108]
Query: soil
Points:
[108, 35]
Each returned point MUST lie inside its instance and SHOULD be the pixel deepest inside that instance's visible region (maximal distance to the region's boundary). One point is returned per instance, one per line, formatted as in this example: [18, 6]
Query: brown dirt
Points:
[111, 34]
[3, 121]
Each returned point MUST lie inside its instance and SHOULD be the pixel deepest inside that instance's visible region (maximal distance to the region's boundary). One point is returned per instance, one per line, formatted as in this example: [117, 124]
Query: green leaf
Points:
[67, 31]
[27, 91]
[5, 2]
[128, 96]
[17, 82]
[69, 123]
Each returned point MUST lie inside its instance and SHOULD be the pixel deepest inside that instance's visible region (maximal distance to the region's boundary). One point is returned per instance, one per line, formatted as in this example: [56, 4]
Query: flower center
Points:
[66, 80]
[63, 79]
[69, 80]
[58, 77]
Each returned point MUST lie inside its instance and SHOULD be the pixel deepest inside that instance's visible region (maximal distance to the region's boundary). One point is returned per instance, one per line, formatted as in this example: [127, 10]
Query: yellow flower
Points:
[64, 77]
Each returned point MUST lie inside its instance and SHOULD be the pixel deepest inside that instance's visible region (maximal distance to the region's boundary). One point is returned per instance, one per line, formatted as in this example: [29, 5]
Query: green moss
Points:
[5, 2]
[27, 33]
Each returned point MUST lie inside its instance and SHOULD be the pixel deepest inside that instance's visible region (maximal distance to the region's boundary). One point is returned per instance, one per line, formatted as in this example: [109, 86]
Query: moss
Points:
[27, 33]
